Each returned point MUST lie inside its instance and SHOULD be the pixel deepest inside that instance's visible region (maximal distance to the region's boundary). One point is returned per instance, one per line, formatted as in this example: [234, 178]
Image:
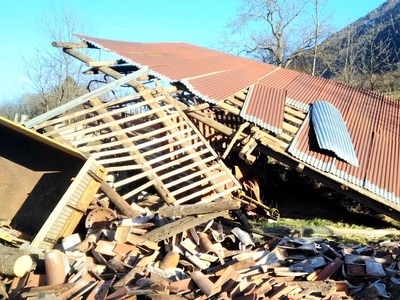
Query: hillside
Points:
[366, 52]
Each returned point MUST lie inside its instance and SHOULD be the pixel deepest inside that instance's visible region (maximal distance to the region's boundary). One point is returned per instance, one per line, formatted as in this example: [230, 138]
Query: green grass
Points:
[315, 222]
[345, 239]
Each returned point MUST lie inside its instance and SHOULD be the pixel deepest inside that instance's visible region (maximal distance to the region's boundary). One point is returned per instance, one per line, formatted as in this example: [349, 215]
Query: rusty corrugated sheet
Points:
[280, 78]
[305, 90]
[305, 147]
[383, 175]
[214, 76]
[219, 86]
[265, 103]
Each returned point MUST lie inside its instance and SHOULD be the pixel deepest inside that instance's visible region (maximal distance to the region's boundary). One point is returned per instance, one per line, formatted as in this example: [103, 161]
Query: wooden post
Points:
[115, 198]
[14, 263]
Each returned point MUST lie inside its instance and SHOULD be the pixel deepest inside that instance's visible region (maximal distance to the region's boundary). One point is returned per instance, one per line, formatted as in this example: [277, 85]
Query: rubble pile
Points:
[149, 257]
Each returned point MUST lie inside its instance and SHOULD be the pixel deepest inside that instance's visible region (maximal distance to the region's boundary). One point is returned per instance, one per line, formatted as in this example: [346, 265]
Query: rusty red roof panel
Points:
[265, 106]
[383, 175]
[279, 79]
[305, 90]
[219, 86]
[389, 124]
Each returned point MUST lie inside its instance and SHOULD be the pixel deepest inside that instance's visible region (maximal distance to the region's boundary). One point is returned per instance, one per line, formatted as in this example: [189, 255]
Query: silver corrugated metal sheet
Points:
[304, 146]
[331, 131]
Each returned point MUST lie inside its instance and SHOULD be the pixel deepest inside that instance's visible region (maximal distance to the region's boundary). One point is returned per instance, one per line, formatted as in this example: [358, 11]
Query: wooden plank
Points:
[234, 101]
[59, 110]
[171, 145]
[197, 209]
[234, 139]
[97, 117]
[175, 162]
[203, 191]
[136, 154]
[230, 108]
[116, 199]
[112, 123]
[190, 176]
[290, 128]
[83, 112]
[293, 119]
[131, 139]
[181, 225]
[297, 113]
[286, 137]
[197, 183]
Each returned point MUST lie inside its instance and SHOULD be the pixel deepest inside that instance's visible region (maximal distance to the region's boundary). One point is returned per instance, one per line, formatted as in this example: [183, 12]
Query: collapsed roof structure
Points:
[361, 162]
[174, 140]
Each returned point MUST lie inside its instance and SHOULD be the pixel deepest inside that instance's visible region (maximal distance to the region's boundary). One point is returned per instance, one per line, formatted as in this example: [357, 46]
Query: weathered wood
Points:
[115, 198]
[59, 110]
[104, 63]
[71, 45]
[228, 107]
[195, 209]
[179, 226]
[295, 112]
[134, 153]
[234, 139]
[295, 120]
[14, 263]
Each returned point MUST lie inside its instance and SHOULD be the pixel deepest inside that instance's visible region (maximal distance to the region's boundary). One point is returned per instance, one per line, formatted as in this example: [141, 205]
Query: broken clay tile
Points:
[330, 269]
[202, 281]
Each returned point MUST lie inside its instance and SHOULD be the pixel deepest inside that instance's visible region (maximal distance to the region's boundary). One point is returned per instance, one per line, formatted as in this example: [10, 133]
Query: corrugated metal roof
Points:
[331, 131]
[305, 147]
[371, 118]
[271, 107]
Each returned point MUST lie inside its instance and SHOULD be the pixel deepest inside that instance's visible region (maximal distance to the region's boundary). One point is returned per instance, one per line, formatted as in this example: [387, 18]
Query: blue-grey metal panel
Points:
[331, 131]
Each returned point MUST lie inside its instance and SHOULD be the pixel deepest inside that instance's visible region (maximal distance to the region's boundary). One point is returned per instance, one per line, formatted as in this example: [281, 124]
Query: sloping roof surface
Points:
[371, 118]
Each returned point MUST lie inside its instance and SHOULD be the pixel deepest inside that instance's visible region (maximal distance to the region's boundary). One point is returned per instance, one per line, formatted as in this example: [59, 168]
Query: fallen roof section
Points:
[364, 112]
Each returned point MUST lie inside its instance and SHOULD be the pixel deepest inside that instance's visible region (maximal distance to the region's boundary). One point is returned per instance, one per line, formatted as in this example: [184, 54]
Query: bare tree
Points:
[322, 29]
[55, 77]
[273, 31]
[376, 55]
[343, 55]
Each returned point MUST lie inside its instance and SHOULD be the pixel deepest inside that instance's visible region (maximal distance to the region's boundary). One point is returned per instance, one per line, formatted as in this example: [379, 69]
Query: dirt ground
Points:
[299, 197]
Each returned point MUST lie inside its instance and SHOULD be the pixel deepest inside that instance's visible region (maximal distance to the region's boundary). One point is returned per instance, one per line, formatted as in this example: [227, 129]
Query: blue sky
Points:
[190, 21]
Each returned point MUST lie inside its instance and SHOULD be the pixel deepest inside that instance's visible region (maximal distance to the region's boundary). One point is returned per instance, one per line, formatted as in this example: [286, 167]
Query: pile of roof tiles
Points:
[115, 259]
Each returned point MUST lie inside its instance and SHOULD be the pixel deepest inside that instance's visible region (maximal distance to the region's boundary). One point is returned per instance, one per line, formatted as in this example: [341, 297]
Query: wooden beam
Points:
[72, 45]
[234, 139]
[181, 225]
[196, 209]
[104, 63]
[115, 198]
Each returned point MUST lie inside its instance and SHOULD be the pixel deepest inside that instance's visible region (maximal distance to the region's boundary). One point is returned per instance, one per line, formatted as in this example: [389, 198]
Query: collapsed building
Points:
[163, 131]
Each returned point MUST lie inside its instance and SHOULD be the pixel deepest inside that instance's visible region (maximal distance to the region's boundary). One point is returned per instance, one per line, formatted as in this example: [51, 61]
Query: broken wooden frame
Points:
[143, 136]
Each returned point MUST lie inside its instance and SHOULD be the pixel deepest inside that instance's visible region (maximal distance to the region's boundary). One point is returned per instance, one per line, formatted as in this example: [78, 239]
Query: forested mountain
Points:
[367, 52]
